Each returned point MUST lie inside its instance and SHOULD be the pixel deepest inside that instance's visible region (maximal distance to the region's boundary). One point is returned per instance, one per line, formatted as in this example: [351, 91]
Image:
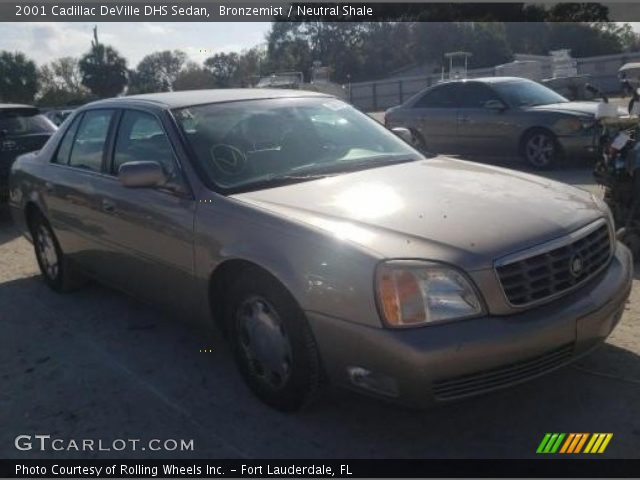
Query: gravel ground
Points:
[99, 365]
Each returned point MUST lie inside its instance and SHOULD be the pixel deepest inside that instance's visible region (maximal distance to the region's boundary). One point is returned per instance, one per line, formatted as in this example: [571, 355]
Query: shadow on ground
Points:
[7, 231]
[97, 364]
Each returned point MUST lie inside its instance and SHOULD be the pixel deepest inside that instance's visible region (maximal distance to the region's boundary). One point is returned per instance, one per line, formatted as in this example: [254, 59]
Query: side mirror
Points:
[141, 174]
[495, 105]
[404, 134]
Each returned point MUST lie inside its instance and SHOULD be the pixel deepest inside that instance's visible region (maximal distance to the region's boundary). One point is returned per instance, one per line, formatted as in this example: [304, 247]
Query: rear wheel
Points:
[540, 149]
[272, 342]
[54, 265]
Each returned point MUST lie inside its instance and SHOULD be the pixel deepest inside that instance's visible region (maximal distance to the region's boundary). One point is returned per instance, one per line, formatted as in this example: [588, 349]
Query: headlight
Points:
[604, 208]
[412, 293]
[572, 125]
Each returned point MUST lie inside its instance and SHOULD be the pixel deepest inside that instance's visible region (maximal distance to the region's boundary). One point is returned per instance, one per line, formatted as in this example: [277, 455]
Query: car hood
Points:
[578, 108]
[445, 209]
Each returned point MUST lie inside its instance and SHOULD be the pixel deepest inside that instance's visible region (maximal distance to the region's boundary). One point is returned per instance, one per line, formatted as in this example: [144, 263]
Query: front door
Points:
[483, 127]
[149, 231]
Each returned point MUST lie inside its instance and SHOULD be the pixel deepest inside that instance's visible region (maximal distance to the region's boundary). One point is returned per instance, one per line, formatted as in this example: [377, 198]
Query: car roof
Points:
[199, 97]
[7, 106]
[490, 80]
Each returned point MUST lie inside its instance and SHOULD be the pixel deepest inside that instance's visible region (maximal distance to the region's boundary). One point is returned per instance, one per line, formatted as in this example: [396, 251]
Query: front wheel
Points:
[273, 345]
[540, 149]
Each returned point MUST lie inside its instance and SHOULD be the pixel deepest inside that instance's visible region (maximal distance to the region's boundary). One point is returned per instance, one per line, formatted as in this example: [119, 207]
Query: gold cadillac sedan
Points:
[322, 245]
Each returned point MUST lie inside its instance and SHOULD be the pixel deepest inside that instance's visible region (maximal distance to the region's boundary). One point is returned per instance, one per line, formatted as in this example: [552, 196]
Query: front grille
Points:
[548, 272]
[494, 378]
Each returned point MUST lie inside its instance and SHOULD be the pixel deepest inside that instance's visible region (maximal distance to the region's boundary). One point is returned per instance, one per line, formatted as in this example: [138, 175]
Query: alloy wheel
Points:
[540, 150]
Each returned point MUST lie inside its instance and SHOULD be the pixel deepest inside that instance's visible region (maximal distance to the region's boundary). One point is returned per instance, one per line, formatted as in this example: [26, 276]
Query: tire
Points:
[272, 343]
[540, 149]
[417, 141]
[55, 268]
[631, 238]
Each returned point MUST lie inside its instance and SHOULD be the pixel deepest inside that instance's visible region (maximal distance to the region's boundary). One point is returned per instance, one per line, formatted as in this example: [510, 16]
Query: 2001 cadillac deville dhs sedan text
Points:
[322, 244]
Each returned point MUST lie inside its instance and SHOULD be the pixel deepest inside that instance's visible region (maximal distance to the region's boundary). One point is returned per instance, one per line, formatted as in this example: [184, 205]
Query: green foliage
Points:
[365, 51]
[18, 78]
[61, 84]
[104, 71]
[157, 72]
[193, 77]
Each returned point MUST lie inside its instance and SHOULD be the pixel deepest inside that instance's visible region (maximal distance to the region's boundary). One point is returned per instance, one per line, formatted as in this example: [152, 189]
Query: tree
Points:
[157, 72]
[104, 71]
[250, 67]
[18, 78]
[223, 68]
[193, 77]
[61, 83]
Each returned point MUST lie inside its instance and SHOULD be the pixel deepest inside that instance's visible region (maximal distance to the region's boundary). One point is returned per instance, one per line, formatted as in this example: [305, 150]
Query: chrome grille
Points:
[555, 268]
[503, 376]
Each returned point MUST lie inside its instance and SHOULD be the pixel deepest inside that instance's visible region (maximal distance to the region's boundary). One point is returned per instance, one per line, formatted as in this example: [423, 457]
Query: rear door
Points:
[69, 192]
[148, 231]
[435, 116]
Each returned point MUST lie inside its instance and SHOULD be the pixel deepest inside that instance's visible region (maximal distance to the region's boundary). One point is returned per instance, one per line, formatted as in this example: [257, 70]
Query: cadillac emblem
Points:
[576, 265]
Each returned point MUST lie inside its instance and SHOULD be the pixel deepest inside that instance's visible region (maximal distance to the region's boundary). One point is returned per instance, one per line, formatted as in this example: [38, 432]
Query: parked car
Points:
[498, 116]
[57, 116]
[22, 129]
[322, 244]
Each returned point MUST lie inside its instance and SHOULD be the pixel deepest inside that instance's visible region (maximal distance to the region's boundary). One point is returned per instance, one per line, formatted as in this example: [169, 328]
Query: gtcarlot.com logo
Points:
[573, 443]
[45, 443]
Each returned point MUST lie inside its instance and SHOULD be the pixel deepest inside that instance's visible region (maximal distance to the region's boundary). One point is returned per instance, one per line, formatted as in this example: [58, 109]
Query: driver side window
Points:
[142, 138]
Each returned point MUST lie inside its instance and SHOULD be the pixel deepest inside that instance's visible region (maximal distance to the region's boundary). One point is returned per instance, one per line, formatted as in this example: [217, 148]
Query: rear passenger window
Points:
[442, 96]
[89, 144]
[142, 138]
[64, 150]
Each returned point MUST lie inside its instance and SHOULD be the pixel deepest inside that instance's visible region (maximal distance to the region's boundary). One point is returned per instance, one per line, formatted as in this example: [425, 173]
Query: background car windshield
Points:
[241, 143]
[24, 123]
[527, 94]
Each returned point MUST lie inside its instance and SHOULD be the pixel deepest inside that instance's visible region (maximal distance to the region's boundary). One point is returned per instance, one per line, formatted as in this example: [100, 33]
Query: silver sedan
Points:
[498, 116]
[322, 245]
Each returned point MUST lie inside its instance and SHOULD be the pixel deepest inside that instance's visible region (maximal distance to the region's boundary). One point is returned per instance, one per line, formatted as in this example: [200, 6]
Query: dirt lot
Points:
[99, 365]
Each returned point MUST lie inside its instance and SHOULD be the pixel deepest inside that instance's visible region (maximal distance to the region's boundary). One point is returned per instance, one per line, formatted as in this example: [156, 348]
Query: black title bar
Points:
[282, 11]
[586, 468]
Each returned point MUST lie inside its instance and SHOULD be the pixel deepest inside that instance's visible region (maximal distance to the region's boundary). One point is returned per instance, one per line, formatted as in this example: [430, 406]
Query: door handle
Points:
[48, 186]
[108, 206]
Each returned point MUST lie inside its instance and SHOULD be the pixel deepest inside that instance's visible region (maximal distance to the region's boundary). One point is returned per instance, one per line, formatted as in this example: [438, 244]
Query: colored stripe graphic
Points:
[583, 439]
[573, 443]
[543, 443]
[567, 443]
[598, 442]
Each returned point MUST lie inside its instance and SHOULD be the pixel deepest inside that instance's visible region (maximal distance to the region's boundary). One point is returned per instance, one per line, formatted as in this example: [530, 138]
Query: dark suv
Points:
[22, 129]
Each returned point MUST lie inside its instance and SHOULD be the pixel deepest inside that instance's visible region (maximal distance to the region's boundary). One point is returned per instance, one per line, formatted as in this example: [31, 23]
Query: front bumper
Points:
[459, 359]
[577, 146]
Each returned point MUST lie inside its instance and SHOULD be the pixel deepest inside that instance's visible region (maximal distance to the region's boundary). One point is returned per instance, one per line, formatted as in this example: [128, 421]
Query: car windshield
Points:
[256, 144]
[527, 94]
[24, 122]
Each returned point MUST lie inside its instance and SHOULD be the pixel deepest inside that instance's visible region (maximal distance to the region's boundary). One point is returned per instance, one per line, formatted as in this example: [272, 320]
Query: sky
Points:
[44, 42]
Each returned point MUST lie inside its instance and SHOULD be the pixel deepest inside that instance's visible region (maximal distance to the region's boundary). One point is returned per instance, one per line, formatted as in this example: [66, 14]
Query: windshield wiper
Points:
[272, 181]
[318, 173]
[352, 166]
